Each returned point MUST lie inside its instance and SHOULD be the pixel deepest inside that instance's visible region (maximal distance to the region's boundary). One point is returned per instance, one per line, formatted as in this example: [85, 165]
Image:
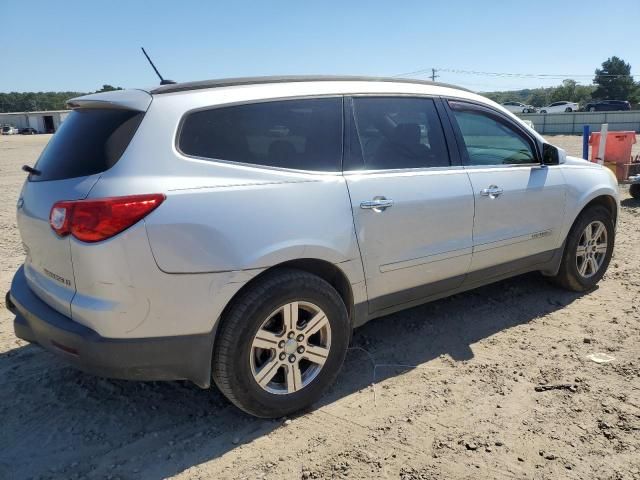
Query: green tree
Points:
[108, 88]
[31, 101]
[539, 98]
[614, 81]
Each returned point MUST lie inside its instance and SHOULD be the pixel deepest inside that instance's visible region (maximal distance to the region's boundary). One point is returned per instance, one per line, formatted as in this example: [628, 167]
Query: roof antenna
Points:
[162, 80]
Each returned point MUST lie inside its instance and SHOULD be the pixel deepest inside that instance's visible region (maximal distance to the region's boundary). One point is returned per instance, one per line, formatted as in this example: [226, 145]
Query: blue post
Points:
[585, 142]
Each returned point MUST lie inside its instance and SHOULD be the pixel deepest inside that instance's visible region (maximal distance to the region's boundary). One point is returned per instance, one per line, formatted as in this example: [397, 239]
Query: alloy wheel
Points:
[592, 249]
[290, 348]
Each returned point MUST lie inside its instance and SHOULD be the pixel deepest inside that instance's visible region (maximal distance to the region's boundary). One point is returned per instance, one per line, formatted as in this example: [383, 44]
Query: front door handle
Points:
[492, 192]
[378, 204]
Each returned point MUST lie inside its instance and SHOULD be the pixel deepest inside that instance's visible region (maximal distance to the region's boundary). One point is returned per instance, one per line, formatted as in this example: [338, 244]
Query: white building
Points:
[43, 122]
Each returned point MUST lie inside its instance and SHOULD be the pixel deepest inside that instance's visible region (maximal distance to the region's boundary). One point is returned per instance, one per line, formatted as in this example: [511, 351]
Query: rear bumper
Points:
[162, 358]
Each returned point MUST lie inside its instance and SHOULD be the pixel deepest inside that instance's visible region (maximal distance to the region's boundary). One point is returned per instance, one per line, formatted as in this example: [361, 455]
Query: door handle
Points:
[378, 204]
[492, 192]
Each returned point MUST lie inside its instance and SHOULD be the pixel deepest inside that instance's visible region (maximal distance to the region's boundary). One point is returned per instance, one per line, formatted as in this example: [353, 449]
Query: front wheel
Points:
[588, 250]
[592, 109]
[568, 110]
[543, 111]
[281, 344]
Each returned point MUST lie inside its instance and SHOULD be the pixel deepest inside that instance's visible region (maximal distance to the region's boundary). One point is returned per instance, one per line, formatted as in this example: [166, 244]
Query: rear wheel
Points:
[281, 344]
[634, 190]
[588, 250]
[568, 109]
[592, 109]
[543, 111]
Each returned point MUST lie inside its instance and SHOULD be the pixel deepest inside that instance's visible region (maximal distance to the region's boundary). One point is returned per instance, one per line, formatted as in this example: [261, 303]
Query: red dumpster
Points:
[618, 149]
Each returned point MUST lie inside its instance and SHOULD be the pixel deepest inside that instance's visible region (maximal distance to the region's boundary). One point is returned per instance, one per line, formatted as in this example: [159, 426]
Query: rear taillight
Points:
[96, 220]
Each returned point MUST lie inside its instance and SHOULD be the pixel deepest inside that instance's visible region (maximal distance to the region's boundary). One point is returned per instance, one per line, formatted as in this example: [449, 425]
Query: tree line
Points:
[38, 101]
[613, 81]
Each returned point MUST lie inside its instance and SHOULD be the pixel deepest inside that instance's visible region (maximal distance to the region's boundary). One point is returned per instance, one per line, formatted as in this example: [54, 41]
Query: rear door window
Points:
[396, 133]
[299, 134]
[89, 141]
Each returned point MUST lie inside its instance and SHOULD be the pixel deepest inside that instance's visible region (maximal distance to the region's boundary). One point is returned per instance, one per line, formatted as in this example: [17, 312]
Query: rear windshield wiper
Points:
[31, 170]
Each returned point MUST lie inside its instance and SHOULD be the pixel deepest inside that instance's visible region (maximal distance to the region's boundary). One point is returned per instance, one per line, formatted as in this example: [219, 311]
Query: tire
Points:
[569, 275]
[238, 364]
[568, 110]
[634, 190]
[543, 111]
[592, 109]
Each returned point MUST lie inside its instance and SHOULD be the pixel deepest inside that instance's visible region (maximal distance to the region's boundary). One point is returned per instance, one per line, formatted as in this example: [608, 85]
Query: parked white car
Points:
[560, 107]
[517, 107]
[9, 130]
[236, 231]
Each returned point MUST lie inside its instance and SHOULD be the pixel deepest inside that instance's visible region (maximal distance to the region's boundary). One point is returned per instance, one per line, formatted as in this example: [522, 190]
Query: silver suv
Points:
[238, 230]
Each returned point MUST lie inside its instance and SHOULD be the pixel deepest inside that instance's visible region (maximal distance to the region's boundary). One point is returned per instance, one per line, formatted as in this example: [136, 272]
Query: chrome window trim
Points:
[506, 165]
[215, 161]
[383, 171]
[183, 117]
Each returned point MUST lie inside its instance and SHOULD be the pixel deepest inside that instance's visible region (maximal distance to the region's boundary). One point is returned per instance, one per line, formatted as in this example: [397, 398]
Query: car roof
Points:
[239, 81]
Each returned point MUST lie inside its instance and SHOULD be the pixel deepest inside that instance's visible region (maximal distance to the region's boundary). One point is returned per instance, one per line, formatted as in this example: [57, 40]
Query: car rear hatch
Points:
[90, 141]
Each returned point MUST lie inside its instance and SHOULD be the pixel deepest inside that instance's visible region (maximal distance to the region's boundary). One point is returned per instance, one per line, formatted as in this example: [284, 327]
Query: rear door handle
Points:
[492, 192]
[378, 204]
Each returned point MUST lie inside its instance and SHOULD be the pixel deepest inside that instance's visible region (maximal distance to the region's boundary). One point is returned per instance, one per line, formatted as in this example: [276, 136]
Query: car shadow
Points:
[58, 422]
[630, 202]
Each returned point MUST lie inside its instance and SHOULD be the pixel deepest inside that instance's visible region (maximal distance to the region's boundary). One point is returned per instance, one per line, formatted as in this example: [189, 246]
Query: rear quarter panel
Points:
[255, 225]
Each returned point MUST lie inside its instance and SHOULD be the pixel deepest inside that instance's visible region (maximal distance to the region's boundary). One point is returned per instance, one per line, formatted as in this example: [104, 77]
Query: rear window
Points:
[89, 141]
[300, 134]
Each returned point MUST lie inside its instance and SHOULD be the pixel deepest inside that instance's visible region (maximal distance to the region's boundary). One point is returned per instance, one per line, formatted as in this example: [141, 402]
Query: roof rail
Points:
[230, 82]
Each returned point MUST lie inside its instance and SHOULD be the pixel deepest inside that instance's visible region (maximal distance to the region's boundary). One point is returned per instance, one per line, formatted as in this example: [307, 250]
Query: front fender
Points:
[585, 184]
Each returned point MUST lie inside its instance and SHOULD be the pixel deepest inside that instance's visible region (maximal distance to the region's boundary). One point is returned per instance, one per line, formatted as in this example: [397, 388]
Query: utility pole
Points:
[433, 74]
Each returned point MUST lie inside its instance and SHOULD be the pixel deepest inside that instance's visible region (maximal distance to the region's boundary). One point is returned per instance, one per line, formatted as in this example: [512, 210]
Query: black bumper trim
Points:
[186, 357]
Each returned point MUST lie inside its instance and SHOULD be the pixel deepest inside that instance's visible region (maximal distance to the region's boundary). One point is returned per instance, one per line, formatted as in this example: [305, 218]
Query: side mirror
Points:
[552, 155]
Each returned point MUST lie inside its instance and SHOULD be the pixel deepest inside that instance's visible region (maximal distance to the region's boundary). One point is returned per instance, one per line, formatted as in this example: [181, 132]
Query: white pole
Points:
[603, 143]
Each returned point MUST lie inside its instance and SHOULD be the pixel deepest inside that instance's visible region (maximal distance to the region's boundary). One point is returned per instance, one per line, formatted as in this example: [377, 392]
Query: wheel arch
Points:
[330, 272]
[603, 199]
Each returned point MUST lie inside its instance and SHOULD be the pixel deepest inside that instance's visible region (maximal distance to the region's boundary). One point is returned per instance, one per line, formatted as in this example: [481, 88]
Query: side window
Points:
[391, 133]
[490, 141]
[301, 134]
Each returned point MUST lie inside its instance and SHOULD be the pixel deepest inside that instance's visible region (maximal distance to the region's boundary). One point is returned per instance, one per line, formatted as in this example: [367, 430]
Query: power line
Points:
[507, 74]
[530, 75]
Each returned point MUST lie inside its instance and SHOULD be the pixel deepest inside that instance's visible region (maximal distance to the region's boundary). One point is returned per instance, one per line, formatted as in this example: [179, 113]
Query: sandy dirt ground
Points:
[446, 390]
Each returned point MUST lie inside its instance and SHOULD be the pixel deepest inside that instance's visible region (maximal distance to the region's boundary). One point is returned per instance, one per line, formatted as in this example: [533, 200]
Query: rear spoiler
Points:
[137, 100]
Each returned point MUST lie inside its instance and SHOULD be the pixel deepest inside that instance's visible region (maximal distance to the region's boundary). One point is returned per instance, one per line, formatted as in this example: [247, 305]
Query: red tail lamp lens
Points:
[100, 219]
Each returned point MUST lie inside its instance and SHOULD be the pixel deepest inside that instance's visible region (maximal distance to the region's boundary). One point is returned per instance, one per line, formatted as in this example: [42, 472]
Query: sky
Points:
[81, 45]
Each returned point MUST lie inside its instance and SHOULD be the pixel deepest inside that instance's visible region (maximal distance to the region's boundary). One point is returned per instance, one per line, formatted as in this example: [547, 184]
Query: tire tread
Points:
[566, 278]
[236, 316]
